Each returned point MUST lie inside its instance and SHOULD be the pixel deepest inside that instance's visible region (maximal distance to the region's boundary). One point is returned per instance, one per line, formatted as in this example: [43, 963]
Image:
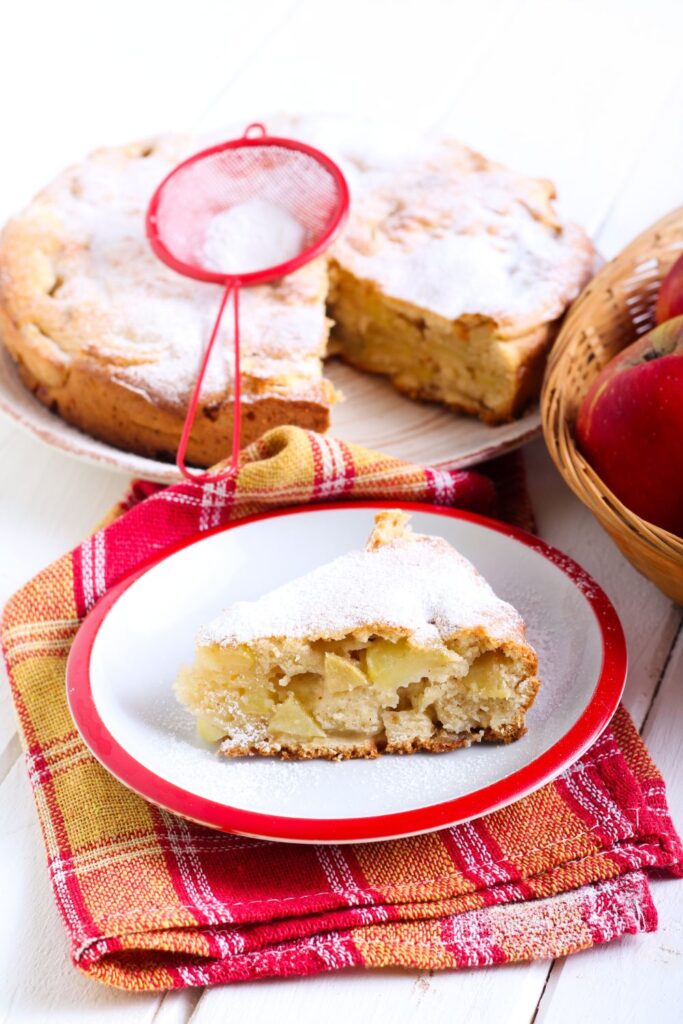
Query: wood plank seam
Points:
[661, 677]
[9, 756]
[190, 996]
[557, 964]
[542, 993]
[636, 154]
[275, 27]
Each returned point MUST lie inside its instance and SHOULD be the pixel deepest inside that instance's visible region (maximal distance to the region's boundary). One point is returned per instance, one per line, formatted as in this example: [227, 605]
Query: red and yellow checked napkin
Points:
[150, 901]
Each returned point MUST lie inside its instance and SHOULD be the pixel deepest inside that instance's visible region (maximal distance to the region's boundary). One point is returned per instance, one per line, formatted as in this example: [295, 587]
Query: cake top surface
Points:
[78, 264]
[433, 225]
[439, 227]
[414, 584]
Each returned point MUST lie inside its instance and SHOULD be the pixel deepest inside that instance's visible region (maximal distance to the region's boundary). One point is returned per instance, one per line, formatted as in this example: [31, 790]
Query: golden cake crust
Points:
[109, 338]
[93, 401]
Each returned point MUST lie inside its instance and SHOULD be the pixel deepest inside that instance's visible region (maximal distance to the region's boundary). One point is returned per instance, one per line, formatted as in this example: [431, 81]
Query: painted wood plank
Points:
[178, 1006]
[48, 503]
[385, 60]
[37, 981]
[401, 997]
[82, 76]
[638, 978]
[567, 92]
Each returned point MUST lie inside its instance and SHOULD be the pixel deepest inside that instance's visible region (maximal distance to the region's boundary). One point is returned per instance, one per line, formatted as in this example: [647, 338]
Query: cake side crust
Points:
[441, 743]
[110, 338]
[126, 419]
[466, 365]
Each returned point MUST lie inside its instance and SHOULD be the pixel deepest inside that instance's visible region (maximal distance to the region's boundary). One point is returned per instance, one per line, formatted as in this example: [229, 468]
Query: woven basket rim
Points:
[647, 541]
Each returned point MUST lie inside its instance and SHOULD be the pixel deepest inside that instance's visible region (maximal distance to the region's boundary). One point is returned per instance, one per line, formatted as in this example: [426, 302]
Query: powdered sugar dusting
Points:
[437, 225]
[251, 236]
[118, 301]
[462, 237]
[418, 584]
[270, 784]
[432, 224]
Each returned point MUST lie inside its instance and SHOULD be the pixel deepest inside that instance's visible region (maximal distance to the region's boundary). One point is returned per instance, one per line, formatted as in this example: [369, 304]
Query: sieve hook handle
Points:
[232, 287]
[255, 130]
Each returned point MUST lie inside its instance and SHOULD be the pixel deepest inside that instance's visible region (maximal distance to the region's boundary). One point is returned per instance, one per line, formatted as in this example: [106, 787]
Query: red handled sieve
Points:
[290, 176]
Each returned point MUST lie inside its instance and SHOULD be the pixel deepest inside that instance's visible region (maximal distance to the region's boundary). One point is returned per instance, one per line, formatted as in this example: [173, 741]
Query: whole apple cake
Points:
[401, 647]
[449, 279]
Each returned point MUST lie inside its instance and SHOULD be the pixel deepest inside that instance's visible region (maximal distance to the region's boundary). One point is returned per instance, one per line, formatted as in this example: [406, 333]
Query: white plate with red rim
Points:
[129, 649]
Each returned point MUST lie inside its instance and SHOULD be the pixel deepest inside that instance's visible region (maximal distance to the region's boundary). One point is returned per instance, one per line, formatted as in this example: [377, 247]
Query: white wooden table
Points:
[587, 92]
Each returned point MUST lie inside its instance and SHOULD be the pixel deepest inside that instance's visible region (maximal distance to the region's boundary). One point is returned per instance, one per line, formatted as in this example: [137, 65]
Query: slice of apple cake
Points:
[401, 647]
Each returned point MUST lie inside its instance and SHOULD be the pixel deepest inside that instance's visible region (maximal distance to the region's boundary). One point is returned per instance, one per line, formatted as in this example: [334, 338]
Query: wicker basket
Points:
[615, 308]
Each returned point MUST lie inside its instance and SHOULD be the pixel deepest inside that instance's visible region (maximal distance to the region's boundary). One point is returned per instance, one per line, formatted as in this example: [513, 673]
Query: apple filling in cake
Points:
[465, 365]
[450, 278]
[397, 674]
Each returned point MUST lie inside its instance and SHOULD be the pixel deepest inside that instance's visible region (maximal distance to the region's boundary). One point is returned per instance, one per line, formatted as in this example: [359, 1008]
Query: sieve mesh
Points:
[296, 179]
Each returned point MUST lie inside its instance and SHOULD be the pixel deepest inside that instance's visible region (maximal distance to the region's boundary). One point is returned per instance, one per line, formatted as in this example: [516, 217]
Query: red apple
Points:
[630, 426]
[670, 298]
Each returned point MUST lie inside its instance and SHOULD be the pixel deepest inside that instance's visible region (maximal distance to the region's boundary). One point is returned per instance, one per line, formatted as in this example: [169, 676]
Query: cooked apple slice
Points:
[398, 648]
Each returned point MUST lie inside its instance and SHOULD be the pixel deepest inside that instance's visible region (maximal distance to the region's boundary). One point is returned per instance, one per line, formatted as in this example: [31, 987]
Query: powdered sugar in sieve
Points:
[250, 236]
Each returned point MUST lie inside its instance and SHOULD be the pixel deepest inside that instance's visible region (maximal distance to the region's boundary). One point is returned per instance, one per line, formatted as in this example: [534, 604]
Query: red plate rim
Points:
[531, 776]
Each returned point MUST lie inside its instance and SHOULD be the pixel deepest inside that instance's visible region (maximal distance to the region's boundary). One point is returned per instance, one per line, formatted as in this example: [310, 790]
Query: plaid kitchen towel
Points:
[151, 901]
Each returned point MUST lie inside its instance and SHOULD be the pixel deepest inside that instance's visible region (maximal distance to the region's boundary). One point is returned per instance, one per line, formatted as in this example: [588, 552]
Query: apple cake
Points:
[451, 277]
[110, 338]
[397, 648]
[449, 280]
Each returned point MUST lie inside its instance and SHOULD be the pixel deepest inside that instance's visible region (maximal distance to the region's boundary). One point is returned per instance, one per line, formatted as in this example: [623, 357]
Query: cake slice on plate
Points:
[400, 647]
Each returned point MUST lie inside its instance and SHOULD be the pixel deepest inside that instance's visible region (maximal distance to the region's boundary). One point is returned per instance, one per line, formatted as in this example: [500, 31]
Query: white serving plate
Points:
[128, 652]
[373, 414]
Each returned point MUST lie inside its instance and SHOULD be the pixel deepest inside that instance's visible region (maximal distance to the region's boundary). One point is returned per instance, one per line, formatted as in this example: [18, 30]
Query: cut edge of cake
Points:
[423, 657]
